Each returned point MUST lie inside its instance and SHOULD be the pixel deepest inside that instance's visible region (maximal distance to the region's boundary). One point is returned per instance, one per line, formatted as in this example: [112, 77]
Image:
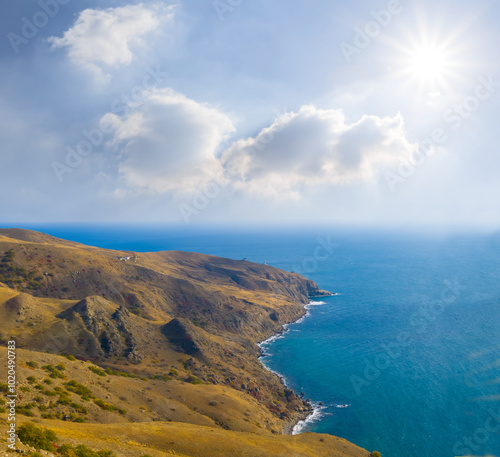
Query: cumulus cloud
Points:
[168, 142]
[315, 147]
[101, 39]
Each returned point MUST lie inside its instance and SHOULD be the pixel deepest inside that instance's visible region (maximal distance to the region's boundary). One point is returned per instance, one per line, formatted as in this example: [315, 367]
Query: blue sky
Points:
[380, 113]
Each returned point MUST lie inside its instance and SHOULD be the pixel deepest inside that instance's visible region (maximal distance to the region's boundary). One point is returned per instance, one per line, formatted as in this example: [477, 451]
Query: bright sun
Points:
[428, 64]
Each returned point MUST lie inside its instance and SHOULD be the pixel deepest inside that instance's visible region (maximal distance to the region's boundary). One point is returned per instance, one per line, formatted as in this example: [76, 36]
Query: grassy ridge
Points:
[160, 439]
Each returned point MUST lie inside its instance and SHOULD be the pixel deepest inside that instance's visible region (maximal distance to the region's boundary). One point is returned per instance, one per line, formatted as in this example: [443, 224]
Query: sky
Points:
[265, 112]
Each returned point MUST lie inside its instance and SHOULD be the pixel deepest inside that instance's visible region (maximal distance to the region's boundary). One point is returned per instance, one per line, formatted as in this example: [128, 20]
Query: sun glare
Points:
[428, 63]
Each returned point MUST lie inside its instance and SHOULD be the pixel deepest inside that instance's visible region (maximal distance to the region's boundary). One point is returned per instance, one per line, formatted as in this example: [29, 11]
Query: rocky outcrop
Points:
[104, 327]
[183, 335]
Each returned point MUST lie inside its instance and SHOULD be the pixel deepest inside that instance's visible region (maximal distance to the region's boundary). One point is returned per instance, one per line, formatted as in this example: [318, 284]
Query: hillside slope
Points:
[167, 336]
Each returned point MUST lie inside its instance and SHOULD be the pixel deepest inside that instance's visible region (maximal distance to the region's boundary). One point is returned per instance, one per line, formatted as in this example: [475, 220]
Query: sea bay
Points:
[409, 346]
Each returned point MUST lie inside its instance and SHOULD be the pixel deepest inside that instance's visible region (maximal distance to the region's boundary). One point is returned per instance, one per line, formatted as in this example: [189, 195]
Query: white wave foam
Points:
[273, 338]
[316, 413]
[314, 303]
[282, 378]
[286, 328]
[315, 416]
[307, 314]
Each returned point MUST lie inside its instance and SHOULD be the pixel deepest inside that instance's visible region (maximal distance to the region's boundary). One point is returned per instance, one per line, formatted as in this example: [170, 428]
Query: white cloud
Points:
[101, 39]
[168, 142]
[315, 147]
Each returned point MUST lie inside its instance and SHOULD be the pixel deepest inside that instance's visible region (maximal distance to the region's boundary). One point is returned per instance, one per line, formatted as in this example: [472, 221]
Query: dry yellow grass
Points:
[144, 401]
[159, 439]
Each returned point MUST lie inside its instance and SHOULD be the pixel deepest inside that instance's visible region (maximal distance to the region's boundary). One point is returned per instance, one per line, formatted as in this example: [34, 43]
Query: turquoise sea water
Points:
[410, 344]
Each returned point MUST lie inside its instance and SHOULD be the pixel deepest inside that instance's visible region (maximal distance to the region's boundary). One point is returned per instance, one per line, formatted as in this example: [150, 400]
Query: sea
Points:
[403, 360]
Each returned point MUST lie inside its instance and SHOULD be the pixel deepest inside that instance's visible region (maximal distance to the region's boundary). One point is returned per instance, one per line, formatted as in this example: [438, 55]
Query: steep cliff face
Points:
[193, 315]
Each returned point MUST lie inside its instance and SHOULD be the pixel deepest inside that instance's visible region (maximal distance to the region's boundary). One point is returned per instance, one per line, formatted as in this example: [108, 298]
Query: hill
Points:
[168, 337]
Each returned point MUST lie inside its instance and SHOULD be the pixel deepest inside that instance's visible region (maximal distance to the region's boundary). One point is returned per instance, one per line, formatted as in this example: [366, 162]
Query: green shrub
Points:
[61, 367]
[25, 410]
[193, 379]
[24, 389]
[161, 377]
[8, 256]
[71, 357]
[64, 400]
[78, 389]
[4, 387]
[31, 379]
[32, 364]
[97, 371]
[54, 372]
[107, 406]
[79, 408]
[110, 371]
[375, 454]
[66, 450]
[38, 438]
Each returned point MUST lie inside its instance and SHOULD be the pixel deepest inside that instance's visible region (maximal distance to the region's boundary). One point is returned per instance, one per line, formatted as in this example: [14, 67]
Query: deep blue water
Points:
[411, 344]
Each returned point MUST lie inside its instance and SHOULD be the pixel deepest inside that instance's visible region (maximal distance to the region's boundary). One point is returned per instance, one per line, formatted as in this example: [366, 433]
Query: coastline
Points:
[315, 408]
